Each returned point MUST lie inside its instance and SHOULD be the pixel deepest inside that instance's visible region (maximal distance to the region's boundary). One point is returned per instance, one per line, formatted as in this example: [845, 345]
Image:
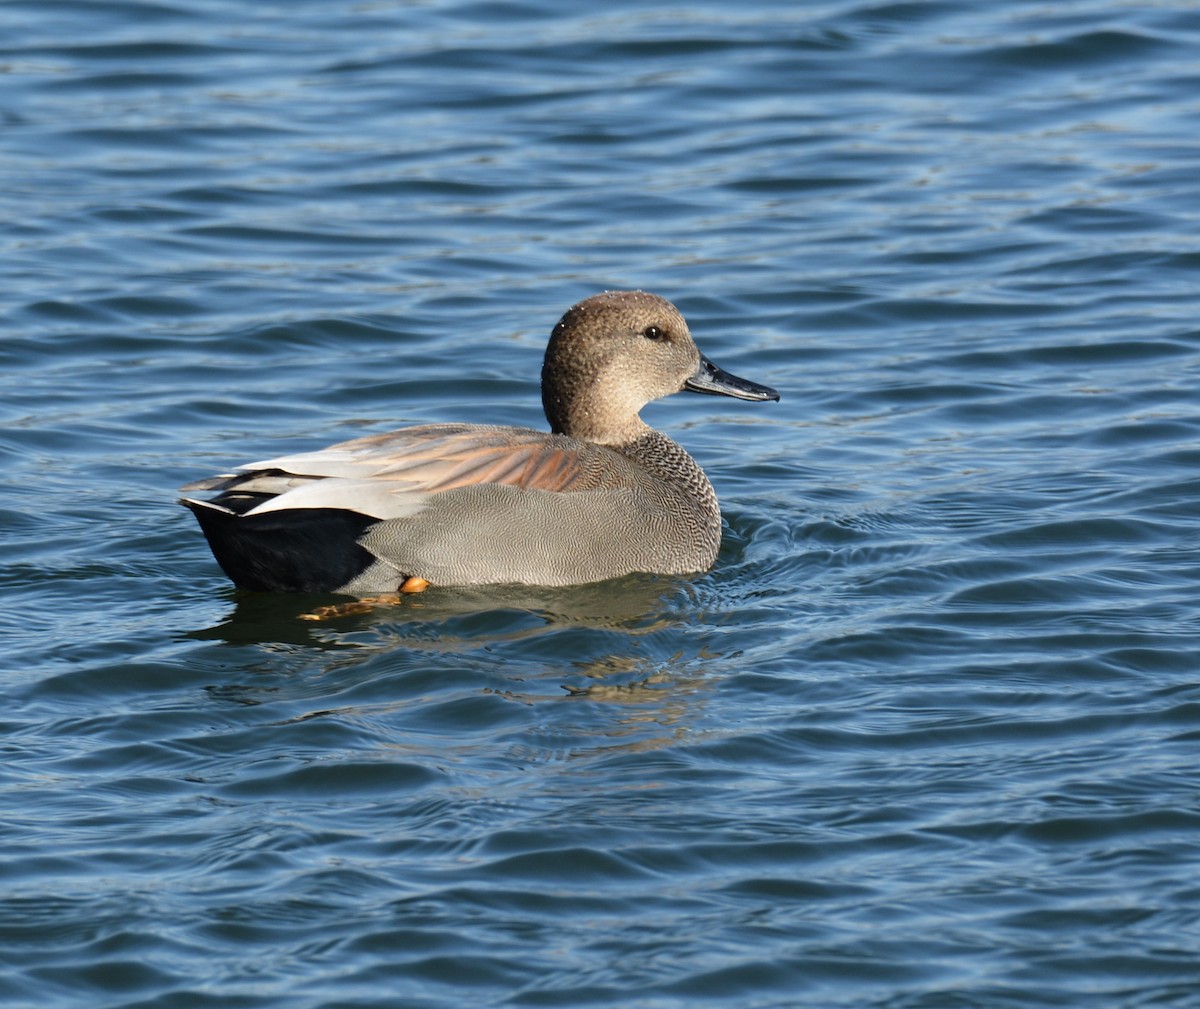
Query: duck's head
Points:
[613, 353]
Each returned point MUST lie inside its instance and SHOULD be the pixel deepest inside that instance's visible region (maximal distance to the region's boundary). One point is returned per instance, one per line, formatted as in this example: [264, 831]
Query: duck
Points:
[598, 496]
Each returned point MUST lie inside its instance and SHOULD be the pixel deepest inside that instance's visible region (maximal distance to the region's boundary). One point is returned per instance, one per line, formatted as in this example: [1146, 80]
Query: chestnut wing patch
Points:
[428, 460]
[532, 460]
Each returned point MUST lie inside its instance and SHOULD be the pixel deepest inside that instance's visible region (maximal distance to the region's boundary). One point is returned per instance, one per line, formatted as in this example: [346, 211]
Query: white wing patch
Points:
[329, 462]
[367, 497]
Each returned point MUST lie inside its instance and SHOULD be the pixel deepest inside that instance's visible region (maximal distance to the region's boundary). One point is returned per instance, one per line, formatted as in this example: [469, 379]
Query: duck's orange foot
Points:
[410, 585]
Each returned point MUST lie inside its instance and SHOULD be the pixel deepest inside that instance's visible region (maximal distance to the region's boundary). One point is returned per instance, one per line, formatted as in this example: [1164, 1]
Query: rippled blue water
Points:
[925, 737]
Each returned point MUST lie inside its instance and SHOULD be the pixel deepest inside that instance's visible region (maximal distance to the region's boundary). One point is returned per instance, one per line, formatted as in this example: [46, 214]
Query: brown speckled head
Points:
[609, 356]
[613, 353]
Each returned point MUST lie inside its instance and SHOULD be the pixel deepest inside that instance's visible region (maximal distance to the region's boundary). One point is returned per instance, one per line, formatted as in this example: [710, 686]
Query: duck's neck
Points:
[585, 399]
[599, 420]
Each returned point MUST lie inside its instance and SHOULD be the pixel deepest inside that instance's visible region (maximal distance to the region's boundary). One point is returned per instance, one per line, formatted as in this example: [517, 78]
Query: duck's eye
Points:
[653, 333]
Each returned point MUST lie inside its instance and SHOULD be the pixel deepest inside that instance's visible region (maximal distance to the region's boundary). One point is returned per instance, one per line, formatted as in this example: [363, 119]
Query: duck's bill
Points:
[715, 381]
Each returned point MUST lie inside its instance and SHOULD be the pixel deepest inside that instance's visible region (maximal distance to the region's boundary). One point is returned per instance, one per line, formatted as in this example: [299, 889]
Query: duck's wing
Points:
[392, 475]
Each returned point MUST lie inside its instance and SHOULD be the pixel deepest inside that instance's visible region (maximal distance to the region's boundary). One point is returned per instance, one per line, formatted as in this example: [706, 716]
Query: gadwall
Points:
[602, 495]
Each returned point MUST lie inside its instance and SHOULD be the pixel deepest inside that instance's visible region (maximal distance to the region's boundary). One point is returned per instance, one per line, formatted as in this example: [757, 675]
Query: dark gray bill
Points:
[712, 380]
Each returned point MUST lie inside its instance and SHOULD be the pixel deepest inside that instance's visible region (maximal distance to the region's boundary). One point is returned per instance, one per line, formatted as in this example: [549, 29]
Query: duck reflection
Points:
[451, 619]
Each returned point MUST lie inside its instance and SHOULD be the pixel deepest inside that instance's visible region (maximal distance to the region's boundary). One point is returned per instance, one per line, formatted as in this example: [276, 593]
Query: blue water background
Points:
[927, 734]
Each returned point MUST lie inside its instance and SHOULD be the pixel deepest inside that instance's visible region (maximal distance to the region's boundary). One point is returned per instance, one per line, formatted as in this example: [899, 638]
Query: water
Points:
[927, 734]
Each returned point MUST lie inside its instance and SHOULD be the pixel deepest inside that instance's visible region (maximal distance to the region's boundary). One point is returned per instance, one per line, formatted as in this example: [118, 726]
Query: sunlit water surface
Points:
[927, 734]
